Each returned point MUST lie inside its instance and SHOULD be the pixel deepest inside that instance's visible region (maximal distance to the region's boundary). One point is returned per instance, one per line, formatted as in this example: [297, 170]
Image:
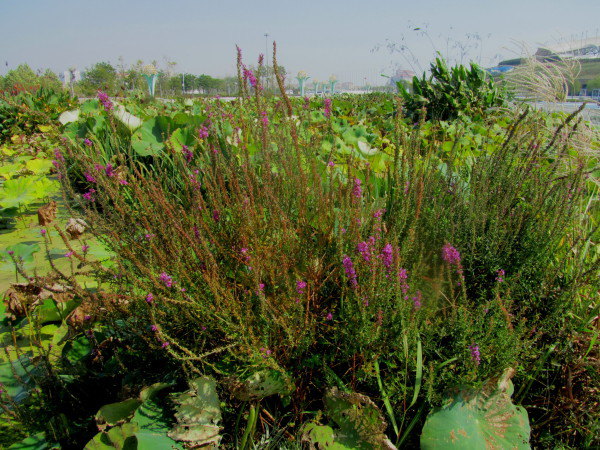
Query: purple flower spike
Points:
[350, 271]
[166, 279]
[451, 255]
[300, 286]
[327, 107]
[475, 355]
[357, 190]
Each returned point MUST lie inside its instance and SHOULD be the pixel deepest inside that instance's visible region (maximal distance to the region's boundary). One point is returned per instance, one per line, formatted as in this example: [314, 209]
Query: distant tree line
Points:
[23, 78]
[124, 80]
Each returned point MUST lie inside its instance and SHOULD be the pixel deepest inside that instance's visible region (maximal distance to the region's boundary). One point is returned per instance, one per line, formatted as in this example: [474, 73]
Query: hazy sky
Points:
[322, 37]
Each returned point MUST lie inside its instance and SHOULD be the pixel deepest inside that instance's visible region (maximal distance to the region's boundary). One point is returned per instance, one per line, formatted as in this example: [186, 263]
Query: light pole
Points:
[267, 60]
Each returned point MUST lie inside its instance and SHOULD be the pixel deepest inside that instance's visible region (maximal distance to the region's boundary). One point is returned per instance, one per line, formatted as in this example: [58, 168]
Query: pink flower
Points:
[248, 75]
[264, 119]
[300, 286]
[203, 132]
[417, 300]
[451, 255]
[109, 170]
[88, 176]
[58, 155]
[331, 164]
[500, 277]
[350, 271]
[187, 153]
[87, 142]
[327, 107]
[387, 256]
[43, 232]
[89, 195]
[149, 298]
[475, 354]
[68, 254]
[166, 279]
[357, 190]
[105, 101]
[329, 316]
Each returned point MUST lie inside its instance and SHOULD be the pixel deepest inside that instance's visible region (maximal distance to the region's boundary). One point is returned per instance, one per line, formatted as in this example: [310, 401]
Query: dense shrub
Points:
[450, 93]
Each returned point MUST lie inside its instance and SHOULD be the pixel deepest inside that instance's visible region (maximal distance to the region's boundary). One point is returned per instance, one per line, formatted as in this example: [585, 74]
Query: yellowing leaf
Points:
[44, 128]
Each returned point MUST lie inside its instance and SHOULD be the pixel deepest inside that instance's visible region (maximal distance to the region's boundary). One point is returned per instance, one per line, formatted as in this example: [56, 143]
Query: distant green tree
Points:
[101, 76]
[21, 78]
[50, 80]
[208, 83]
[594, 83]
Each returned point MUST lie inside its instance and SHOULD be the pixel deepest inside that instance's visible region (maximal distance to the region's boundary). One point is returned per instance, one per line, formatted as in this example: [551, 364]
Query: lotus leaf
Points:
[39, 166]
[115, 413]
[478, 419]
[121, 437]
[149, 139]
[198, 414]
[18, 192]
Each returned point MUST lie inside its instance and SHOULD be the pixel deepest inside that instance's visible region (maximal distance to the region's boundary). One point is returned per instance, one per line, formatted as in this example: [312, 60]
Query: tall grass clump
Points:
[258, 250]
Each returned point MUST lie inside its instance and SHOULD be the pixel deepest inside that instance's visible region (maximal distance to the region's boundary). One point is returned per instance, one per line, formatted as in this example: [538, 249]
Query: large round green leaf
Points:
[149, 139]
[18, 192]
[478, 419]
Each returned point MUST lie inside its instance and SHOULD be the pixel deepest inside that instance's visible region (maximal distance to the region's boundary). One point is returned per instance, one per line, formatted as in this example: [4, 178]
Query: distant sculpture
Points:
[151, 74]
[302, 77]
[316, 85]
[332, 82]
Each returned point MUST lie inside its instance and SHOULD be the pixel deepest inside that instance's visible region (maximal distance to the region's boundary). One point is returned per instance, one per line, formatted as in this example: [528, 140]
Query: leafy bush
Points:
[450, 93]
[24, 112]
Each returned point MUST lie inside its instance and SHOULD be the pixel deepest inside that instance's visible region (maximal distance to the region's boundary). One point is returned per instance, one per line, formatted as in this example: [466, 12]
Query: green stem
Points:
[386, 399]
[250, 426]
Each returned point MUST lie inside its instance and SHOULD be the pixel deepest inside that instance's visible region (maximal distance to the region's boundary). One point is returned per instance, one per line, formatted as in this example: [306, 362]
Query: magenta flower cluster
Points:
[365, 248]
[203, 132]
[327, 107]
[350, 271]
[387, 256]
[451, 255]
[187, 153]
[166, 279]
[475, 354]
[249, 75]
[300, 286]
[89, 195]
[357, 189]
[105, 101]
[500, 275]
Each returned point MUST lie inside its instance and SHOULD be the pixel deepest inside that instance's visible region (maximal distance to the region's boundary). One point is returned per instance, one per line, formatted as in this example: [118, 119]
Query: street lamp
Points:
[267, 60]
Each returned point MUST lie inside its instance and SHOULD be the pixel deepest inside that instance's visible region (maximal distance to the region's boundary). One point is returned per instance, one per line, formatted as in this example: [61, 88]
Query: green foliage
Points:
[101, 76]
[478, 419]
[450, 93]
[25, 112]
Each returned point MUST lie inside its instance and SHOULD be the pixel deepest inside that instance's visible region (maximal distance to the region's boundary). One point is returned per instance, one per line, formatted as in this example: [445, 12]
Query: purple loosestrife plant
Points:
[166, 279]
[105, 101]
[350, 271]
[327, 110]
[475, 355]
